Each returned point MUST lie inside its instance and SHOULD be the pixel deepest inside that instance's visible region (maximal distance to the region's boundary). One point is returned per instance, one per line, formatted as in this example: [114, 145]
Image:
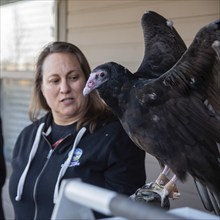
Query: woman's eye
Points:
[54, 81]
[73, 78]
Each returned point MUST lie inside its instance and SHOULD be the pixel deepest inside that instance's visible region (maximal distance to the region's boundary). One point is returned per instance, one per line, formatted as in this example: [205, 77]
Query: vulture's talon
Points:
[172, 190]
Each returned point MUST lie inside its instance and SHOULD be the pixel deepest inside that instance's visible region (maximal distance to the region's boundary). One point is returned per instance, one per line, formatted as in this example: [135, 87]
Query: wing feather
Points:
[163, 45]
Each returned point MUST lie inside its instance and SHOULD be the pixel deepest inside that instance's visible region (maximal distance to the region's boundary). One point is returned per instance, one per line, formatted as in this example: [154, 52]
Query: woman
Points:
[77, 138]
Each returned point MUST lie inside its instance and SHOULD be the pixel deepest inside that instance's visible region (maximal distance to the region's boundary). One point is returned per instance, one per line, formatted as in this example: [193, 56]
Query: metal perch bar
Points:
[111, 203]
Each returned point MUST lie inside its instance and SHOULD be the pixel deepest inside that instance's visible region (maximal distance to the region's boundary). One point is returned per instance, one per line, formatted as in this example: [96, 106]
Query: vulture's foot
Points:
[171, 190]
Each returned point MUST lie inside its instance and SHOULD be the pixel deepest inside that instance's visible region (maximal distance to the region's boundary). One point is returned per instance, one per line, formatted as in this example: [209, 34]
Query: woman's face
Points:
[62, 86]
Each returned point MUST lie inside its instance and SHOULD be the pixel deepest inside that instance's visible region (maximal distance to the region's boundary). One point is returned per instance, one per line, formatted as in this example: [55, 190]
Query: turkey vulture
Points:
[163, 48]
[174, 114]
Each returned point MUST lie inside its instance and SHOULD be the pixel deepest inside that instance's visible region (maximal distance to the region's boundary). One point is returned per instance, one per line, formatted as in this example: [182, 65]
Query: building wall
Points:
[111, 31]
[15, 94]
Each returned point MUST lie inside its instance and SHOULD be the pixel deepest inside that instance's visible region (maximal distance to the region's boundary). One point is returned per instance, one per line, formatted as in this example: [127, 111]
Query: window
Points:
[26, 26]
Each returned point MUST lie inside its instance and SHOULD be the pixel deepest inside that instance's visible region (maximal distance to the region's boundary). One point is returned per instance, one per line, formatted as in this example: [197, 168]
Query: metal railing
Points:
[77, 200]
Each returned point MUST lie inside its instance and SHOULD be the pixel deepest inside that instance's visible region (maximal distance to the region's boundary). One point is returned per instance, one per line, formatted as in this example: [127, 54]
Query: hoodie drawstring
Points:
[31, 156]
[67, 162]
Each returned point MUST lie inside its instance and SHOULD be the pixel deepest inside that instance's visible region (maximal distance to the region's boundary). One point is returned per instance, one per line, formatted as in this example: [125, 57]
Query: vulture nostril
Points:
[96, 76]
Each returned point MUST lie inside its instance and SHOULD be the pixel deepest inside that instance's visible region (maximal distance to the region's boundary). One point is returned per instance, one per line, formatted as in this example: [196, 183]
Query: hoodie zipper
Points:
[36, 183]
[44, 167]
[77, 139]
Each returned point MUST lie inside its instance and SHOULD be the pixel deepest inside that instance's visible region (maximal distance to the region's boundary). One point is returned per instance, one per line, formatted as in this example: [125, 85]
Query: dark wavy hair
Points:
[96, 108]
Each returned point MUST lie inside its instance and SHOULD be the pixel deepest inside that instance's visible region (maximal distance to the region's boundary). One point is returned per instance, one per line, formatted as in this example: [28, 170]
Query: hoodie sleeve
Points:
[126, 162]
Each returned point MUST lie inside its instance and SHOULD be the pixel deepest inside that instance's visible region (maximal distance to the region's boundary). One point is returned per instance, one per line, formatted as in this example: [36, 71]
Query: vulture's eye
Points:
[102, 74]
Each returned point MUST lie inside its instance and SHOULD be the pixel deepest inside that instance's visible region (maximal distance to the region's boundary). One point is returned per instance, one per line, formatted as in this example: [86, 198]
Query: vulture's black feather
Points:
[173, 113]
[163, 45]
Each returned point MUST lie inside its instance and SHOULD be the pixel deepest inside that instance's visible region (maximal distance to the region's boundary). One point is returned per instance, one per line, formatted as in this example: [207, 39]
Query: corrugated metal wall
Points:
[111, 31]
[15, 96]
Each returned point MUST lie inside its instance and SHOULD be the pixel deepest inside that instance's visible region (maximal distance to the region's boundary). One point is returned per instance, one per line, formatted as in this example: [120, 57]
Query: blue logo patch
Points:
[76, 156]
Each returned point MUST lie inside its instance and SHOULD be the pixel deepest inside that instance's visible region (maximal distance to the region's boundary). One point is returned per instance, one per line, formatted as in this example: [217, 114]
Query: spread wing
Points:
[189, 110]
[163, 45]
[199, 68]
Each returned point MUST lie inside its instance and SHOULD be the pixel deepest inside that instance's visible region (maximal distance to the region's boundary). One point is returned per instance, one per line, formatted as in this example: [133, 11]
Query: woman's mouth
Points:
[67, 100]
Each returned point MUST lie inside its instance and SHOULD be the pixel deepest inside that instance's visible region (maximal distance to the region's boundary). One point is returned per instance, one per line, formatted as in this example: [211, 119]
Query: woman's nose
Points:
[64, 86]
